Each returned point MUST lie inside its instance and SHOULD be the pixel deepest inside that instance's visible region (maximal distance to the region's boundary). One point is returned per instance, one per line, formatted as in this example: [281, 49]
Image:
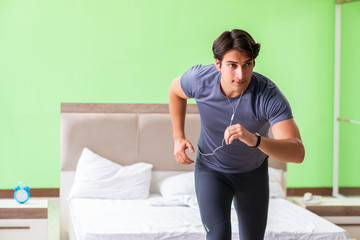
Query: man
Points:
[237, 106]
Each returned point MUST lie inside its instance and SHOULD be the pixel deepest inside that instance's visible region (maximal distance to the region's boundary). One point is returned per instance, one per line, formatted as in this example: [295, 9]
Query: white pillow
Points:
[180, 187]
[179, 184]
[275, 176]
[98, 177]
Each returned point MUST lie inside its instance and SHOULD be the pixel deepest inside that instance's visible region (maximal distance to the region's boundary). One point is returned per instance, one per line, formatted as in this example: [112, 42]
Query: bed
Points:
[119, 180]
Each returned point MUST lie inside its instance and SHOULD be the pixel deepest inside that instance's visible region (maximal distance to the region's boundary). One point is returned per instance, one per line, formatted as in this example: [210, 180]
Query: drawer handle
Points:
[14, 228]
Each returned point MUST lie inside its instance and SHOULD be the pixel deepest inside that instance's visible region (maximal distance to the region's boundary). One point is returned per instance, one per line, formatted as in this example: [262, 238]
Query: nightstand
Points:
[344, 212]
[23, 221]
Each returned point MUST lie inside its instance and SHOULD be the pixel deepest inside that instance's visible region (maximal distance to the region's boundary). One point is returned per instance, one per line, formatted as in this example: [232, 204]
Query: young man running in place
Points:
[237, 107]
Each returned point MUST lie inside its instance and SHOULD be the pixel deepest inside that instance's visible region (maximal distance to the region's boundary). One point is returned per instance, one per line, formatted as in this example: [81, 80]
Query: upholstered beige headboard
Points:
[124, 133]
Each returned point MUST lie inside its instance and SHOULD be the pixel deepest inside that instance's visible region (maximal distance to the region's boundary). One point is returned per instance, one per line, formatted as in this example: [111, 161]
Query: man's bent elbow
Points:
[301, 153]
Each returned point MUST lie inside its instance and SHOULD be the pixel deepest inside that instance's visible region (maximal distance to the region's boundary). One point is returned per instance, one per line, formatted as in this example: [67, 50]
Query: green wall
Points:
[117, 51]
[349, 95]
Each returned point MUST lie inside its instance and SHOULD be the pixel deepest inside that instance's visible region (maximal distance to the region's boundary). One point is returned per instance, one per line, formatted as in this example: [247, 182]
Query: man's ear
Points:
[218, 64]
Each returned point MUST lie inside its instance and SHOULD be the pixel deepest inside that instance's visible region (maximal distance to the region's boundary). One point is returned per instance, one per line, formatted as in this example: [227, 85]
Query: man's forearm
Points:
[286, 150]
[177, 107]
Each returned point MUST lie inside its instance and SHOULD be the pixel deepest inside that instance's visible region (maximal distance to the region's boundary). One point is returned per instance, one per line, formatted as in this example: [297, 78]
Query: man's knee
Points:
[220, 231]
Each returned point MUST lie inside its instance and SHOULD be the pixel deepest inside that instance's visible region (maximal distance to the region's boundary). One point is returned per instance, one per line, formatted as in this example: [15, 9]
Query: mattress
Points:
[104, 219]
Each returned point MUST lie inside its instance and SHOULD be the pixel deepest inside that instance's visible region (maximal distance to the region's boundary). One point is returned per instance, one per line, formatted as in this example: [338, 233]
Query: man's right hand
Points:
[180, 145]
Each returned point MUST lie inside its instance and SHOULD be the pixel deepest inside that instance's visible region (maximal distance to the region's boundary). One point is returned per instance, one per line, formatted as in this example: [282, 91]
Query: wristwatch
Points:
[258, 140]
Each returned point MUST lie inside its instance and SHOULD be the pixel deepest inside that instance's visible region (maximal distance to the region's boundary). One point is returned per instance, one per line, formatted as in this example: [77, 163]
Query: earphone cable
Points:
[231, 120]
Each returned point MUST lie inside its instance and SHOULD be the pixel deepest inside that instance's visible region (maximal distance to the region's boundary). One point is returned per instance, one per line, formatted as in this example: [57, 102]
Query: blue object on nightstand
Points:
[22, 194]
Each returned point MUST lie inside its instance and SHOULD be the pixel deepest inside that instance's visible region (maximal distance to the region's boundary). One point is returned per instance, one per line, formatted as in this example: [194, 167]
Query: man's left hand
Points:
[237, 131]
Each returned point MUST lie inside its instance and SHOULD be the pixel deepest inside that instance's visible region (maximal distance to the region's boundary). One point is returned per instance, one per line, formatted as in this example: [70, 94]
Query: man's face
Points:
[236, 70]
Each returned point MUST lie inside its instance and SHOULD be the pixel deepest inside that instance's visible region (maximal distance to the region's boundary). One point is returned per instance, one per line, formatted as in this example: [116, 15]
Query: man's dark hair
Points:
[236, 39]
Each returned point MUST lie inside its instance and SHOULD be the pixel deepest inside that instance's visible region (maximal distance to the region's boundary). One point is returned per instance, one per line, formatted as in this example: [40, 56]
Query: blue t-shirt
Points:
[261, 106]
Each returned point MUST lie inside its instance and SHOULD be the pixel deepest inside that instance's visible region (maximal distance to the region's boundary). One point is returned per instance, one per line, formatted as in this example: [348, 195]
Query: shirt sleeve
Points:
[188, 81]
[277, 107]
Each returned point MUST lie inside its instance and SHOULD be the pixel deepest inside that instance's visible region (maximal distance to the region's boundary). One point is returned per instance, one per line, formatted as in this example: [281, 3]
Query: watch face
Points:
[21, 195]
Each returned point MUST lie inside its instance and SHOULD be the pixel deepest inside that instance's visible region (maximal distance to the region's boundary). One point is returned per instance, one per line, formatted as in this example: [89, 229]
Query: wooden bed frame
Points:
[126, 134]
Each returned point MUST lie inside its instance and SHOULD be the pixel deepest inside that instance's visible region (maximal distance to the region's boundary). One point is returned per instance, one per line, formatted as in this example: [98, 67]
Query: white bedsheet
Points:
[103, 219]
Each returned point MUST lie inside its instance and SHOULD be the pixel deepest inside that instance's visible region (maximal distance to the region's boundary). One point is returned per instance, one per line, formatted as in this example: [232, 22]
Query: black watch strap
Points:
[258, 140]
